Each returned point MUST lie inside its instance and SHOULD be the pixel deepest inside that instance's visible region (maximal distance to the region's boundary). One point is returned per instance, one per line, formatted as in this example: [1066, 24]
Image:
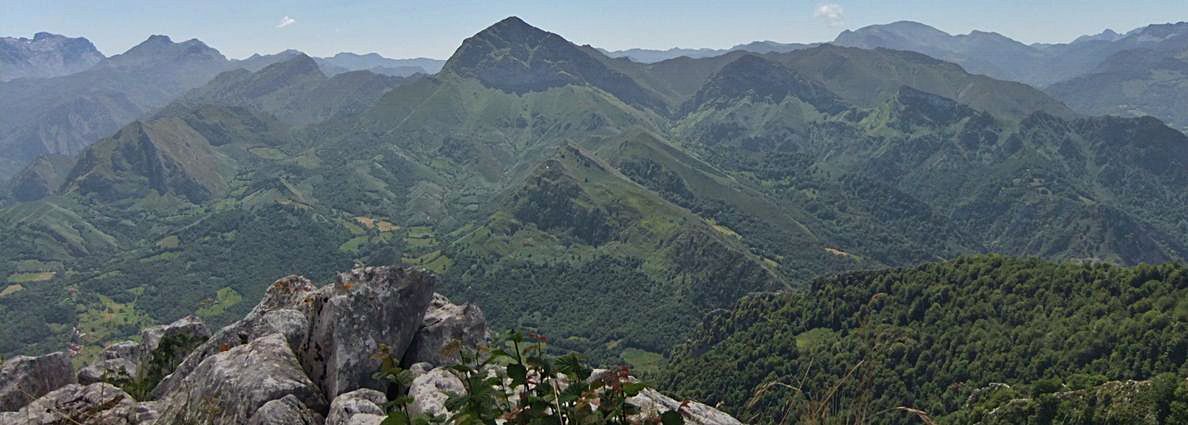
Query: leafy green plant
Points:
[517, 381]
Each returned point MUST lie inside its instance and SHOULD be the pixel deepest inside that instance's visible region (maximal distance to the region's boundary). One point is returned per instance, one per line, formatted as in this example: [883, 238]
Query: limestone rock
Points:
[288, 410]
[279, 311]
[652, 404]
[357, 407]
[229, 387]
[446, 323]
[108, 370]
[365, 310]
[24, 379]
[431, 390]
[182, 331]
[95, 404]
[159, 350]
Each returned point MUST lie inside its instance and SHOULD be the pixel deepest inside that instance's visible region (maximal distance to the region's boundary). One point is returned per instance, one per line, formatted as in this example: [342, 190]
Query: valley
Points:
[753, 227]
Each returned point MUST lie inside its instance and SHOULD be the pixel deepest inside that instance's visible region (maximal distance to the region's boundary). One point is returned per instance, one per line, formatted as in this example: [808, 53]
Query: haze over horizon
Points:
[404, 29]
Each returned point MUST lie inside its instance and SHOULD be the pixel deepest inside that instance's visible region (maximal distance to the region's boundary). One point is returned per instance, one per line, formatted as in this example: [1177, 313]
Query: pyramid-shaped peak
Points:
[514, 30]
[516, 57]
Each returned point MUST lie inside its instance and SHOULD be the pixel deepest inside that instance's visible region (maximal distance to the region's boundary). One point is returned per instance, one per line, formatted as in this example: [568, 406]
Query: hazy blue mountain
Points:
[654, 55]
[978, 52]
[1133, 82]
[45, 55]
[381, 65]
[1107, 36]
[62, 115]
[1000, 57]
[257, 61]
[294, 90]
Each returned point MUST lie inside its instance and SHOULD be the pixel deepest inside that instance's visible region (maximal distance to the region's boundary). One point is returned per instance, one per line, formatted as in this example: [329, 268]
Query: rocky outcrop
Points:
[365, 312]
[359, 407]
[288, 410]
[24, 379]
[117, 361]
[78, 404]
[279, 312]
[651, 404]
[446, 324]
[303, 353]
[229, 387]
[155, 356]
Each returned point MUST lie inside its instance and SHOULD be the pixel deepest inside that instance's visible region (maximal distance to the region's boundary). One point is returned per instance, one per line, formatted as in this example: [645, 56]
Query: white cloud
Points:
[832, 13]
[286, 21]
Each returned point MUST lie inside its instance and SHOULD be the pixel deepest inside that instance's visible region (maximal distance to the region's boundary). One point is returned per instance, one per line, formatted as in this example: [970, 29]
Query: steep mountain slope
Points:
[45, 55]
[866, 343]
[865, 77]
[1132, 83]
[41, 178]
[62, 115]
[578, 225]
[999, 181]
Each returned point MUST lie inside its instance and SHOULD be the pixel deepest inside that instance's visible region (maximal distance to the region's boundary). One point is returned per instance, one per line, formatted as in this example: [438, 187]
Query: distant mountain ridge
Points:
[1141, 72]
[45, 55]
[655, 55]
[64, 114]
[347, 62]
[1001, 57]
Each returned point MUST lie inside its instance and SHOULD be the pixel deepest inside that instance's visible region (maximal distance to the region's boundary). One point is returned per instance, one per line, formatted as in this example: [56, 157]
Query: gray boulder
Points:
[159, 350]
[357, 408]
[279, 312]
[653, 404]
[431, 390]
[288, 410]
[446, 325]
[117, 362]
[365, 312]
[229, 387]
[108, 370]
[24, 379]
[181, 335]
[95, 404]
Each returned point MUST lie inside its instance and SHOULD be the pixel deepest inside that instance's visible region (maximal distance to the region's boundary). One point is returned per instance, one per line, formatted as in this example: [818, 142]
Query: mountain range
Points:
[45, 55]
[1141, 72]
[559, 187]
[79, 96]
[529, 159]
[655, 55]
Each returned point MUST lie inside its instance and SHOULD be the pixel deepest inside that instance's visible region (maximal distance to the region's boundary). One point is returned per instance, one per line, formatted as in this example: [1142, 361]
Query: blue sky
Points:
[404, 28]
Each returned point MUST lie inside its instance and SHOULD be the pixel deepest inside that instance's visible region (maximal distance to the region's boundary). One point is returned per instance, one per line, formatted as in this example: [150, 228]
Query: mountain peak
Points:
[157, 39]
[45, 55]
[1107, 35]
[298, 64]
[513, 22]
[516, 57]
[162, 48]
